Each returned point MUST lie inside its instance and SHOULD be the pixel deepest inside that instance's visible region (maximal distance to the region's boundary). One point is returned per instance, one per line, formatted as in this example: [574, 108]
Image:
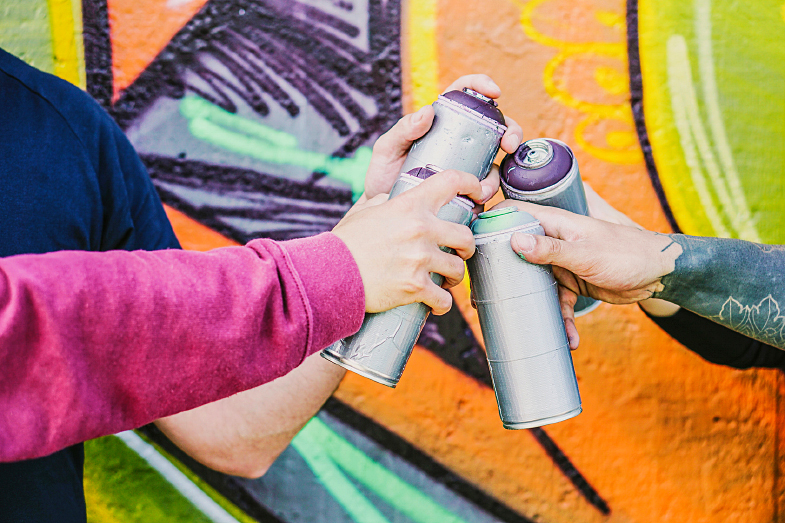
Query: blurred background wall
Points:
[256, 118]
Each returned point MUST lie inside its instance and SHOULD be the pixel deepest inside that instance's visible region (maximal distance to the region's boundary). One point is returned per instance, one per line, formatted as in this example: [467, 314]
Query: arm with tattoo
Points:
[737, 284]
[734, 283]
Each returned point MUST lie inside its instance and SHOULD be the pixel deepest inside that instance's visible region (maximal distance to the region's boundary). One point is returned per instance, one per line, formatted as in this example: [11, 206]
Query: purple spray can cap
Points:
[423, 173]
[535, 165]
[477, 102]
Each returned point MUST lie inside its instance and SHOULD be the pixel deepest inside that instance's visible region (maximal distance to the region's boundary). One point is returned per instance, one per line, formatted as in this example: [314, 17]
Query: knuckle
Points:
[413, 286]
[553, 248]
[466, 238]
[451, 176]
[445, 301]
[457, 271]
[419, 229]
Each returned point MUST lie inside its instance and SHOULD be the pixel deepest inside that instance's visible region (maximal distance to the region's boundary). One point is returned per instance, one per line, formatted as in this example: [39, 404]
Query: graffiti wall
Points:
[256, 118]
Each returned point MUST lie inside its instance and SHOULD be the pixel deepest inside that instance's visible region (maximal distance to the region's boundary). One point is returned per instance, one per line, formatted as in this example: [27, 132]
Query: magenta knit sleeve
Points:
[96, 343]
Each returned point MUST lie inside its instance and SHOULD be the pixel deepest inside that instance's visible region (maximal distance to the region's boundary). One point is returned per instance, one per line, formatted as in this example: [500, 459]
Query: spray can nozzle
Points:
[479, 96]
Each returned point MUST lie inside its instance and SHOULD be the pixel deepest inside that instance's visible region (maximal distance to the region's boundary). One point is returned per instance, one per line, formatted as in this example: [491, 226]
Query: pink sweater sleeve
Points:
[95, 343]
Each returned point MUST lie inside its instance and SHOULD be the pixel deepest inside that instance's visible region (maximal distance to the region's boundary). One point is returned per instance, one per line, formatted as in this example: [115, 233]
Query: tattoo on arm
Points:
[738, 284]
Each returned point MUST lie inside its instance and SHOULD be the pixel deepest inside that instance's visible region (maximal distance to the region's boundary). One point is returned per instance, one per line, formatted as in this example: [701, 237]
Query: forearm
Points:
[95, 343]
[243, 435]
[734, 283]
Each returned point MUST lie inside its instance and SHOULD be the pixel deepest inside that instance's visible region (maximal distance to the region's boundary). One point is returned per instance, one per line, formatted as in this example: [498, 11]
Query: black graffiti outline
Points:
[636, 102]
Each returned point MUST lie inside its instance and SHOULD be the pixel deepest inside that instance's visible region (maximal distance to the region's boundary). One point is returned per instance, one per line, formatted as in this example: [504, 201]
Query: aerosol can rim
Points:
[355, 367]
[588, 309]
[543, 421]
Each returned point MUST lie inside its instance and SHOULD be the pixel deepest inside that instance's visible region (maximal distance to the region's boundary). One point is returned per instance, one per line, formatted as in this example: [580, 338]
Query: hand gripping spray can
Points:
[381, 348]
[544, 171]
[525, 341]
[466, 132]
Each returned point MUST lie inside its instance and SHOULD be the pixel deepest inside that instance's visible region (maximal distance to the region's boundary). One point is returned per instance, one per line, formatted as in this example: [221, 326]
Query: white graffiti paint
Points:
[180, 481]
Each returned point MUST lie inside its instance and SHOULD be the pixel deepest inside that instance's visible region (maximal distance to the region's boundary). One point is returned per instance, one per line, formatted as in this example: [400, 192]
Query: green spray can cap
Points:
[501, 220]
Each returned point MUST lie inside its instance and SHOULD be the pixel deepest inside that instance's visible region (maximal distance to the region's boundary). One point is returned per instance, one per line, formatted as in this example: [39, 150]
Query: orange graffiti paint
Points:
[140, 30]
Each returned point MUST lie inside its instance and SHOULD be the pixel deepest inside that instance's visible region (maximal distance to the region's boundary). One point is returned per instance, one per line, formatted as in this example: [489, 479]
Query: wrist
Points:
[675, 269]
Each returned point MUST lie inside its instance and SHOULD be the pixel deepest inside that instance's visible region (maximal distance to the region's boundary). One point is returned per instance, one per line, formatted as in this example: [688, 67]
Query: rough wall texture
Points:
[255, 117]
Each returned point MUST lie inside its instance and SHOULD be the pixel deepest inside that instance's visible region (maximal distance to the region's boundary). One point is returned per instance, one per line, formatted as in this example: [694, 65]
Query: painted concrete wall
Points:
[255, 118]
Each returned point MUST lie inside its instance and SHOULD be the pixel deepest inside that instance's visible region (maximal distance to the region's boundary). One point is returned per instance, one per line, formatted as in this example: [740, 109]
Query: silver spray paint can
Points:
[544, 171]
[380, 349]
[525, 341]
[466, 133]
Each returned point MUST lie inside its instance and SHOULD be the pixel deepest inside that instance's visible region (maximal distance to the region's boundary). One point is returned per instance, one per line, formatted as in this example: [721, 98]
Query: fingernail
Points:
[516, 139]
[487, 192]
[417, 117]
[495, 85]
[526, 243]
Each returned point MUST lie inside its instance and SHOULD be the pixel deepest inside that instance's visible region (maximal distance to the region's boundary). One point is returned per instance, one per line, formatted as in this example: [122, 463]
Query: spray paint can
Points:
[465, 135]
[380, 349]
[525, 341]
[544, 171]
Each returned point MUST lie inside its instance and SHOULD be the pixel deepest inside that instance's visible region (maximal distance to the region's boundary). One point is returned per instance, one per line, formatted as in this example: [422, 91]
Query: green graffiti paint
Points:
[240, 135]
[359, 508]
[388, 486]
[121, 487]
[25, 32]
[714, 111]
[193, 107]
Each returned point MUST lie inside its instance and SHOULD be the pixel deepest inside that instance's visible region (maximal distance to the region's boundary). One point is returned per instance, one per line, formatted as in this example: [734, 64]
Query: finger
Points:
[453, 235]
[557, 223]
[376, 200]
[512, 137]
[567, 279]
[391, 148]
[481, 83]
[437, 190]
[448, 265]
[490, 185]
[395, 143]
[567, 300]
[438, 299]
[535, 248]
[364, 202]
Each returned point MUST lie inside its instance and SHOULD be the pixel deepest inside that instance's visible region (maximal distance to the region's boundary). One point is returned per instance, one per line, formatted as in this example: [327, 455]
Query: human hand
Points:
[395, 243]
[390, 150]
[602, 210]
[606, 261]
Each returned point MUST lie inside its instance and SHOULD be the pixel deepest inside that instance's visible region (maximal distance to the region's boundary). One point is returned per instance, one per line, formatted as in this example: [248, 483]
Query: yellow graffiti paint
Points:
[620, 139]
[65, 18]
[610, 19]
[618, 151]
[610, 79]
[423, 51]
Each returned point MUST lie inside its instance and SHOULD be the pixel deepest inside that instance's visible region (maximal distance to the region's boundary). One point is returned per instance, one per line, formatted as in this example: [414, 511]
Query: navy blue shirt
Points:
[70, 181]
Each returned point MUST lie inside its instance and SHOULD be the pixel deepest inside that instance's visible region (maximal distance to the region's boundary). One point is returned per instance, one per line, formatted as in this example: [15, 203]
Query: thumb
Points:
[395, 143]
[542, 250]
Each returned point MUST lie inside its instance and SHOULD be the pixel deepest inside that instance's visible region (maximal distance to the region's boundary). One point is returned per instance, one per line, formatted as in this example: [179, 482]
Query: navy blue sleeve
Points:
[718, 344]
[134, 217]
[71, 179]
